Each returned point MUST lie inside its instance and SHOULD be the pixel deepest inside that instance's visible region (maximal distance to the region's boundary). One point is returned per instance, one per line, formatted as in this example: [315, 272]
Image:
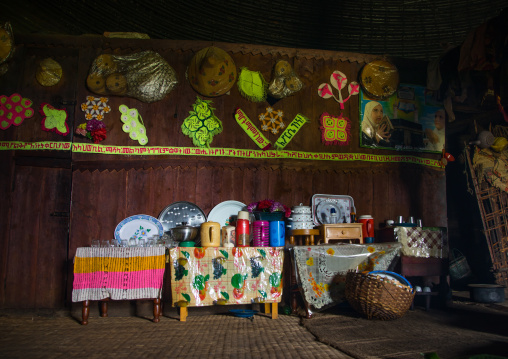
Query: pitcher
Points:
[210, 234]
[368, 226]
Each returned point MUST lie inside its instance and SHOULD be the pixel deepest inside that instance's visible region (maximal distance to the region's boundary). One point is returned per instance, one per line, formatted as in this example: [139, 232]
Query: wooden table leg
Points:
[267, 308]
[183, 314]
[275, 311]
[85, 312]
[156, 310]
[104, 308]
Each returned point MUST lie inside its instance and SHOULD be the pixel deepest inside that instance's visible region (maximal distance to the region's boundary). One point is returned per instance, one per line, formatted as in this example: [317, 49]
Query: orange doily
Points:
[272, 120]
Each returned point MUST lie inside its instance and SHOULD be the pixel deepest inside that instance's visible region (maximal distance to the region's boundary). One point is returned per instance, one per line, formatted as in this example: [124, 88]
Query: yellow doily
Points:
[272, 120]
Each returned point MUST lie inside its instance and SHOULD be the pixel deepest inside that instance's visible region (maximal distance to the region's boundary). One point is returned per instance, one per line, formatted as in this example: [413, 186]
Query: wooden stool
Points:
[307, 236]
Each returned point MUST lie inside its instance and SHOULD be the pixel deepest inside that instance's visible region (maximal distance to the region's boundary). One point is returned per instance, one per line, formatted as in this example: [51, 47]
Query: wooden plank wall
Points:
[99, 191]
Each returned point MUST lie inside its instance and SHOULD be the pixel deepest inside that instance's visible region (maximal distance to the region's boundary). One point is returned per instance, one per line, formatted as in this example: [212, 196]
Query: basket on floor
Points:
[377, 297]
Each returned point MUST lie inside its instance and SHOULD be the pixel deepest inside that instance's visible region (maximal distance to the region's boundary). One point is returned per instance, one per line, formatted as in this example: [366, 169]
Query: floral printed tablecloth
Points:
[202, 276]
[322, 269]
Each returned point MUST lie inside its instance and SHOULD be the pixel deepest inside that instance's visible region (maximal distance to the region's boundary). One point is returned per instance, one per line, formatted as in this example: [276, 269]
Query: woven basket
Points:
[374, 297]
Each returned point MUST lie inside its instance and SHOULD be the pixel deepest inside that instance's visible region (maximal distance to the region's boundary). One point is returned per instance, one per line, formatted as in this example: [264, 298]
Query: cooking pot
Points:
[486, 293]
[301, 209]
[184, 233]
[301, 217]
[302, 225]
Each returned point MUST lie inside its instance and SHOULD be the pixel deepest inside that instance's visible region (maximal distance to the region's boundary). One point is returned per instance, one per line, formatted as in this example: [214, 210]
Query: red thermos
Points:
[243, 229]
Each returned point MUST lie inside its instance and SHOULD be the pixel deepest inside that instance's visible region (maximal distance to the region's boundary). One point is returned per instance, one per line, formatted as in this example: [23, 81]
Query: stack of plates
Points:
[261, 234]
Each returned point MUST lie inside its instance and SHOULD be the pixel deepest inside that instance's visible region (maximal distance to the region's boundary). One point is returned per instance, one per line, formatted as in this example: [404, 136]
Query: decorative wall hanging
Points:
[53, 119]
[335, 130]
[272, 120]
[252, 85]
[145, 76]
[212, 72]
[284, 82]
[6, 46]
[408, 120]
[77, 147]
[94, 130]
[338, 80]
[202, 124]
[379, 79]
[291, 131]
[95, 108]
[13, 110]
[251, 130]
[49, 72]
[133, 124]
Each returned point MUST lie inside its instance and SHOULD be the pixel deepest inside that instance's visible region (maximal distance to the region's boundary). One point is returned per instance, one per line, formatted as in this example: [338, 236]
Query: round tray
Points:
[177, 213]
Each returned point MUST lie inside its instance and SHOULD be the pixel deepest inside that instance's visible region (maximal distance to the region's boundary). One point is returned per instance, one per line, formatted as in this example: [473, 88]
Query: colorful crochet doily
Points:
[54, 119]
[202, 124]
[13, 110]
[95, 108]
[272, 120]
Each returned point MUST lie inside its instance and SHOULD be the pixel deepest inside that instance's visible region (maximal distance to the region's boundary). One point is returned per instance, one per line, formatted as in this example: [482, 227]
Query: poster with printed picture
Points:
[408, 120]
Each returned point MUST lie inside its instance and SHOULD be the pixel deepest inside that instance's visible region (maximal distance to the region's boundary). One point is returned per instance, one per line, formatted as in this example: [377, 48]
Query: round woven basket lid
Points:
[49, 72]
[6, 45]
[379, 79]
[212, 72]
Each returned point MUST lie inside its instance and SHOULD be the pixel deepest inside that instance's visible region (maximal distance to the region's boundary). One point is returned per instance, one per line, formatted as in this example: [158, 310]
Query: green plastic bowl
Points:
[187, 244]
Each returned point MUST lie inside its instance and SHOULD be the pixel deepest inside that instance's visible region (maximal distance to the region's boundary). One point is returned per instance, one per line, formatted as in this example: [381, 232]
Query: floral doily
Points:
[202, 124]
[95, 108]
[53, 119]
[335, 130]
[13, 110]
[272, 120]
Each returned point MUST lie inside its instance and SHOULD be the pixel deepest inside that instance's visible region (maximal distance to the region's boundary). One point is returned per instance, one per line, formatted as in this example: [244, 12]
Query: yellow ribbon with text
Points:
[291, 131]
[251, 130]
[215, 152]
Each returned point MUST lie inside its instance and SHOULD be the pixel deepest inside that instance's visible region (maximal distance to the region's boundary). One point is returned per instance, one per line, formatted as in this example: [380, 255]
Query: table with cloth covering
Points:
[114, 273]
[321, 270]
[203, 276]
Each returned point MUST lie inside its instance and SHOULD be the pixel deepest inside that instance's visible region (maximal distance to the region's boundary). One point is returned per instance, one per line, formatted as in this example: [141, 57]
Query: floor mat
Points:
[457, 332]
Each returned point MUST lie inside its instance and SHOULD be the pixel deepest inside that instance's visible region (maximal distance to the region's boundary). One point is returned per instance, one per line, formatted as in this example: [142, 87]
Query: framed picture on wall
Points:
[408, 120]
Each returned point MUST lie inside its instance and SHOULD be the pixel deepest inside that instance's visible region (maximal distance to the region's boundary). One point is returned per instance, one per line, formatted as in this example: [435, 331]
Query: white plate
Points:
[323, 212]
[141, 225]
[224, 211]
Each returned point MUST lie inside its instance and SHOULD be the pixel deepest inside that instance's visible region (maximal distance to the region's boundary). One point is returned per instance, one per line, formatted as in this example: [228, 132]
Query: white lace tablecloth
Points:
[321, 270]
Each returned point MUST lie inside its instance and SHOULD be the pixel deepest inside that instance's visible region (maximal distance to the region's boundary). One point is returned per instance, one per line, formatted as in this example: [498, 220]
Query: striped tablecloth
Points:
[118, 273]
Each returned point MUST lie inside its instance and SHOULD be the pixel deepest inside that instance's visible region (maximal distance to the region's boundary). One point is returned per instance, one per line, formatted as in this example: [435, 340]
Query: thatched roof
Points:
[413, 29]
